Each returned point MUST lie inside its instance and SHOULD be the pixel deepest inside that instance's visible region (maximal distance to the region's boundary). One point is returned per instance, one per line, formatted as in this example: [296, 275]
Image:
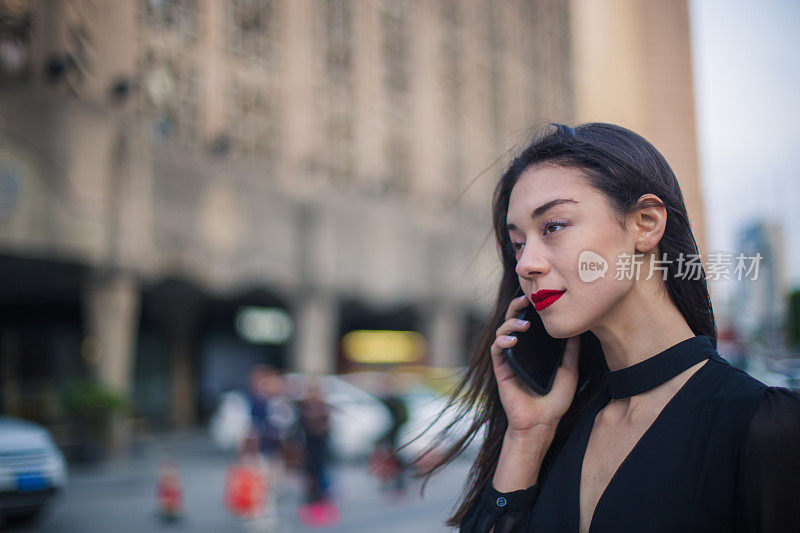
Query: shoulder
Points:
[769, 467]
[734, 387]
[776, 422]
[739, 386]
[769, 457]
[767, 416]
[729, 396]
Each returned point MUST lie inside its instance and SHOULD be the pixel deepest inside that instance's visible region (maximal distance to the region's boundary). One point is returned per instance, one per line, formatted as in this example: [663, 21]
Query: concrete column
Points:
[112, 318]
[184, 408]
[177, 305]
[445, 335]
[111, 309]
[115, 51]
[50, 34]
[212, 20]
[301, 137]
[315, 334]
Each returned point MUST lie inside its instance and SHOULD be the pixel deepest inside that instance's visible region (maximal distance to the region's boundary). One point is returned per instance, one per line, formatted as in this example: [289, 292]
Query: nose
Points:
[531, 263]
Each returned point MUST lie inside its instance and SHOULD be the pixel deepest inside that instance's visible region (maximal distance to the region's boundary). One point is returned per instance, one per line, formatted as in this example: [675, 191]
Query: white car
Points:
[32, 468]
[358, 418]
[424, 406]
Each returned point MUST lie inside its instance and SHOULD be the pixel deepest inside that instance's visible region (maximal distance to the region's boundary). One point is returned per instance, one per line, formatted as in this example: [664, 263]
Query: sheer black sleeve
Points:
[506, 512]
[769, 475]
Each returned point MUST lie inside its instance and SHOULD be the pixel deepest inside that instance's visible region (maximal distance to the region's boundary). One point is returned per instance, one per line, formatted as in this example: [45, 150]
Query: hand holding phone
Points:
[536, 356]
[527, 409]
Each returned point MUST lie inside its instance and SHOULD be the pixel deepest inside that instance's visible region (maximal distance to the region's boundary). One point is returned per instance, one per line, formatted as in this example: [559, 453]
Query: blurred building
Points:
[758, 303]
[189, 187]
[632, 62]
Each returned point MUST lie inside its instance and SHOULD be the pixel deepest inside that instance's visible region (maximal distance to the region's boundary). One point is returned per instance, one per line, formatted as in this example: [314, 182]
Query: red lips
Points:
[543, 298]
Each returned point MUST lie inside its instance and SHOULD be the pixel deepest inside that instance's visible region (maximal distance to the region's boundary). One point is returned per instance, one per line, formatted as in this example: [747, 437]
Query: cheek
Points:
[595, 300]
[603, 291]
[584, 305]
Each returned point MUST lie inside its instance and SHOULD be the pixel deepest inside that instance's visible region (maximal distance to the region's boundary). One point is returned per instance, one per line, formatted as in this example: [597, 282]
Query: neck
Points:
[645, 322]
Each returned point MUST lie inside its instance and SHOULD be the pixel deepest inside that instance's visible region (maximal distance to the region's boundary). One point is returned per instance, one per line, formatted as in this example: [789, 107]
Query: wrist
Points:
[521, 457]
[532, 436]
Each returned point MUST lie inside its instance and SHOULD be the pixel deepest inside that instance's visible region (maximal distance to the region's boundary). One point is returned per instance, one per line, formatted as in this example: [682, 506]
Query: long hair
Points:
[623, 166]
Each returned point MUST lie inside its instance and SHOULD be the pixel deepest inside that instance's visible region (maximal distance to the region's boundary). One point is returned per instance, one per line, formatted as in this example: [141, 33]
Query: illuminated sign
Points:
[263, 325]
[382, 346]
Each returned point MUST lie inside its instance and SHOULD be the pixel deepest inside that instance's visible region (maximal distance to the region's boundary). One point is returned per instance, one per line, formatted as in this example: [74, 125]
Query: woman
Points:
[646, 427]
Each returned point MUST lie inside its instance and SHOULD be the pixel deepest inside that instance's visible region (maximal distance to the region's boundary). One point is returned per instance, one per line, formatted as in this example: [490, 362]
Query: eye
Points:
[517, 246]
[550, 224]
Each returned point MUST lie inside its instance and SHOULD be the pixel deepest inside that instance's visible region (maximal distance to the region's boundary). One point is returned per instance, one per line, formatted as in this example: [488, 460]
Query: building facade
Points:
[632, 64]
[168, 166]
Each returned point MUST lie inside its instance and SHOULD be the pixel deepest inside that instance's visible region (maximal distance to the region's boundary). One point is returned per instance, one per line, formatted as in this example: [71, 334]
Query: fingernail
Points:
[523, 322]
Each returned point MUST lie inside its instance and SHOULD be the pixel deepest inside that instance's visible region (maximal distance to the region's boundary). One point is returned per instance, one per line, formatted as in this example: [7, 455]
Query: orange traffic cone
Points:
[169, 492]
[245, 491]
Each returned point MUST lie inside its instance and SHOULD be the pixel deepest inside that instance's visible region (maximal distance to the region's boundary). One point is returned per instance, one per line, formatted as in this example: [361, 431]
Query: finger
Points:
[501, 343]
[517, 305]
[502, 370]
[512, 325]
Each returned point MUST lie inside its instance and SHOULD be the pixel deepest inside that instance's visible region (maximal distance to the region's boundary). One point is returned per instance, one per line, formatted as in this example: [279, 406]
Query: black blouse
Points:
[723, 455]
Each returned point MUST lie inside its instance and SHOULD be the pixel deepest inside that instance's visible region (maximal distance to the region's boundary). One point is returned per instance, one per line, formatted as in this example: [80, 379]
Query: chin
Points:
[562, 329]
[558, 331]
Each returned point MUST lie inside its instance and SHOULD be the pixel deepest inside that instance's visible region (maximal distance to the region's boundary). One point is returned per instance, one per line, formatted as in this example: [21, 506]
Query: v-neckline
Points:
[603, 400]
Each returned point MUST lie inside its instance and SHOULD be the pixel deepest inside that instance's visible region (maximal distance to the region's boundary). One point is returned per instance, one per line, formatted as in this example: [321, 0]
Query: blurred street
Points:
[120, 496]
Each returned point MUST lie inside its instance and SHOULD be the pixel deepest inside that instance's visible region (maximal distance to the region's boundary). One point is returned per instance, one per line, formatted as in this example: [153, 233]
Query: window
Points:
[253, 30]
[172, 16]
[253, 119]
[171, 86]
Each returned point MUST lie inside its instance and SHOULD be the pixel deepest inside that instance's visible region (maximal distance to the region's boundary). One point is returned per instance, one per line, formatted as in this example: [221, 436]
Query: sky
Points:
[746, 61]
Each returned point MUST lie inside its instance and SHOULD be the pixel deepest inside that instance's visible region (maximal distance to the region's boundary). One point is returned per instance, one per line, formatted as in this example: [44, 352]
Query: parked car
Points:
[32, 468]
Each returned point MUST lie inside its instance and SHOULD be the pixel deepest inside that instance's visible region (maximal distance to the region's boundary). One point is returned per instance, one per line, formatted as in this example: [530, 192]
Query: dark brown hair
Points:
[623, 166]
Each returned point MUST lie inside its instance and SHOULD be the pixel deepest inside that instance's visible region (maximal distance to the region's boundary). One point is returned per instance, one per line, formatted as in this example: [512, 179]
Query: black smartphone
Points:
[536, 355]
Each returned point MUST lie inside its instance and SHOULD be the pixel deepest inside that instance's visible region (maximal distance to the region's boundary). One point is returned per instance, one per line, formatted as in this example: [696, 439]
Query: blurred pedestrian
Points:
[275, 421]
[386, 461]
[315, 421]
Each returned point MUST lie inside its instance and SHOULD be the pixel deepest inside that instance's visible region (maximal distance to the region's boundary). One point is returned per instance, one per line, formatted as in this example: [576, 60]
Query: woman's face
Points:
[555, 248]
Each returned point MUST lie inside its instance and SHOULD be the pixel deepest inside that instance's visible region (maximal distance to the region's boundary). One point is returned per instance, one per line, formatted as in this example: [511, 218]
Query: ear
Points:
[648, 221]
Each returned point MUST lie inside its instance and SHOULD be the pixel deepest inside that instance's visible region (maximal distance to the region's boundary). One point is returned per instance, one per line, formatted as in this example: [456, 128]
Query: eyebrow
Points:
[542, 209]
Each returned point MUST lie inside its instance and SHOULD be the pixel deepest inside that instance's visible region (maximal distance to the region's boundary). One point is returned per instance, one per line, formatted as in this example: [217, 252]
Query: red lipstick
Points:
[543, 298]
